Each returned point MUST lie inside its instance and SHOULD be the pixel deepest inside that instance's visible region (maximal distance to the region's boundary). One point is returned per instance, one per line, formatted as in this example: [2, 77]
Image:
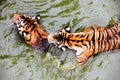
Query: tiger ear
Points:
[37, 17]
[67, 29]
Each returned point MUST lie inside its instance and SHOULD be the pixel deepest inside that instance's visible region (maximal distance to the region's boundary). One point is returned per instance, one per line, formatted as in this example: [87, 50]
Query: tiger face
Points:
[29, 28]
[57, 38]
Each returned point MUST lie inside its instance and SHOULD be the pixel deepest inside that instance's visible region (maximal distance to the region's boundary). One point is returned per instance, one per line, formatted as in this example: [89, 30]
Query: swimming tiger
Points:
[33, 34]
[91, 41]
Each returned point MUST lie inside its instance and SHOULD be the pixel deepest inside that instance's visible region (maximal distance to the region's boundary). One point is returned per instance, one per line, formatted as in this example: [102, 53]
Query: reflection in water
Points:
[19, 61]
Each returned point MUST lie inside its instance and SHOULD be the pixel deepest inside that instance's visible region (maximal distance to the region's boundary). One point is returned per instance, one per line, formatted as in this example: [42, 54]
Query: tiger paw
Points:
[82, 60]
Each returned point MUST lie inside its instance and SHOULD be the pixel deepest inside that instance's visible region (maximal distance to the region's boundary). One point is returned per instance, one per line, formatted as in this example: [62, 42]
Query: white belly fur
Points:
[78, 49]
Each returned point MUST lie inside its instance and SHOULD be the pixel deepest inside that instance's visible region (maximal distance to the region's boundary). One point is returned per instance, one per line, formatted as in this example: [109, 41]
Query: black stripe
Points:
[81, 36]
[112, 31]
[99, 35]
[103, 36]
[114, 45]
[117, 27]
[60, 37]
[119, 34]
[64, 38]
[89, 43]
[119, 46]
[87, 36]
[99, 41]
[33, 26]
[79, 41]
[85, 45]
[76, 35]
[103, 44]
[109, 44]
[68, 39]
[77, 45]
[28, 25]
[93, 39]
[115, 30]
[69, 44]
[73, 40]
[40, 36]
[108, 38]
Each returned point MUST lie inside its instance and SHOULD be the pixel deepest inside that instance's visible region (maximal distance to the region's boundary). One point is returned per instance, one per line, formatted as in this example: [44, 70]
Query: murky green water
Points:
[19, 61]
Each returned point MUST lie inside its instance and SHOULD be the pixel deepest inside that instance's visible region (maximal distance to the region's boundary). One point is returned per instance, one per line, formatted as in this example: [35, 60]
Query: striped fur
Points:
[33, 34]
[91, 41]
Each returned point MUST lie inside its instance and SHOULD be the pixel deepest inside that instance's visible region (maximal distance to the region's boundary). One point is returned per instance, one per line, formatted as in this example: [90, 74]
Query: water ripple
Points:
[19, 61]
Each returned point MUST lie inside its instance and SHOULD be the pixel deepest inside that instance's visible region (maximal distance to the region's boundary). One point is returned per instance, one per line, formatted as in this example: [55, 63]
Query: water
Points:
[19, 61]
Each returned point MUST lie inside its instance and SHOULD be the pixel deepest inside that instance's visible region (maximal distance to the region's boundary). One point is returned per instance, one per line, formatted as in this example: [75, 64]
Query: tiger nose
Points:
[15, 18]
[51, 38]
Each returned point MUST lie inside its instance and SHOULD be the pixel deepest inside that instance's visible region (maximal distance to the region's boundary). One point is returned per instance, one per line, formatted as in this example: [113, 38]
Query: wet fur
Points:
[33, 33]
[91, 41]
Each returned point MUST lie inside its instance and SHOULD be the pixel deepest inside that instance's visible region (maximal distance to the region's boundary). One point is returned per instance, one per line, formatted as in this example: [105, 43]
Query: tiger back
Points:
[91, 41]
[30, 30]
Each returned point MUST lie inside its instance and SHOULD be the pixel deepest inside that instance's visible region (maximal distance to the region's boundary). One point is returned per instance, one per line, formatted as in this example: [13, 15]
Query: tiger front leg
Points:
[84, 56]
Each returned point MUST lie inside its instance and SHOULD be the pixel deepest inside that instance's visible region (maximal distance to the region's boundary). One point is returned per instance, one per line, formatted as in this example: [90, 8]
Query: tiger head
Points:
[58, 37]
[29, 28]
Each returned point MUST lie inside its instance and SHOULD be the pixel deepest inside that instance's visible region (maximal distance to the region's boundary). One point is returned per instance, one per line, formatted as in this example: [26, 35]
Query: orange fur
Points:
[34, 35]
[91, 41]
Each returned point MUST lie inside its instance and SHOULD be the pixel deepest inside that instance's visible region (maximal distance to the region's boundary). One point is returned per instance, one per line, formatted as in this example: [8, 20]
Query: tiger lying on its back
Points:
[33, 34]
[89, 42]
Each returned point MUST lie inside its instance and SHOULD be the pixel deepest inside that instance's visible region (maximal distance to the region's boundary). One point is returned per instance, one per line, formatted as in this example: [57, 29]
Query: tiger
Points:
[34, 34]
[89, 42]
